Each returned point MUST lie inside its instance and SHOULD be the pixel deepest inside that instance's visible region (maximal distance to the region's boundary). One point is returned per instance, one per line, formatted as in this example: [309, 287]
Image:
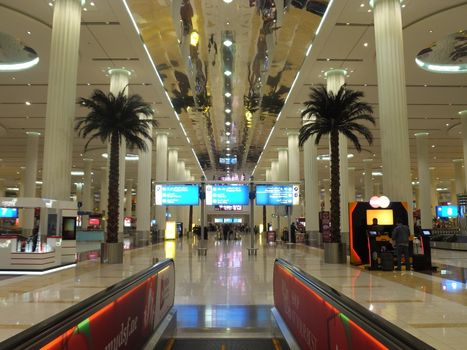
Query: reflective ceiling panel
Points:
[227, 67]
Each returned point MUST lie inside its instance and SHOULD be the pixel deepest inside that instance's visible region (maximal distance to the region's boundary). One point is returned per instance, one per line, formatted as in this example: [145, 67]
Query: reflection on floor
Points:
[430, 307]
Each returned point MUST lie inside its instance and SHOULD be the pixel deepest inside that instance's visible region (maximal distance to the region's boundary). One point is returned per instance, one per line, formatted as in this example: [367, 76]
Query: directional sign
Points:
[177, 195]
[277, 194]
[228, 194]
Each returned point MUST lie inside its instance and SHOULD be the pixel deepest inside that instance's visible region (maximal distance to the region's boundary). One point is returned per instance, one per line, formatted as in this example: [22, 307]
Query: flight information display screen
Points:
[277, 194]
[177, 194]
[227, 194]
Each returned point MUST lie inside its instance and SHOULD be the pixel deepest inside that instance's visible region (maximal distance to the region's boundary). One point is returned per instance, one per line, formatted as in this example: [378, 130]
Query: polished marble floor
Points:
[433, 308]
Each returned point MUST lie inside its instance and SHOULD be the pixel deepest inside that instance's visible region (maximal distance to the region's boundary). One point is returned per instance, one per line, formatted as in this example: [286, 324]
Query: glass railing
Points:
[124, 315]
[319, 317]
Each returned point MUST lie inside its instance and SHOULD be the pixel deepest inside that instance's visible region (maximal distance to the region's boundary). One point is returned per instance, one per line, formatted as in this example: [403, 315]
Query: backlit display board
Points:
[447, 211]
[229, 194]
[11, 213]
[277, 194]
[177, 195]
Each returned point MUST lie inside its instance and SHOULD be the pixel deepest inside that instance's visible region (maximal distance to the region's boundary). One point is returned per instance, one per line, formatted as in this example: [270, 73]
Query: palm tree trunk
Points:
[114, 200]
[335, 184]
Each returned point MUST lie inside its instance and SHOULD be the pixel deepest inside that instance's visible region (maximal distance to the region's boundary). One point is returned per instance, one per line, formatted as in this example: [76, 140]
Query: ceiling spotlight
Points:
[228, 110]
[365, 44]
[228, 123]
[228, 43]
[362, 5]
[228, 73]
[227, 94]
[27, 103]
[228, 148]
[227, 133]
[228, 141]
[51, 3]
[92, 3]
[227, 1]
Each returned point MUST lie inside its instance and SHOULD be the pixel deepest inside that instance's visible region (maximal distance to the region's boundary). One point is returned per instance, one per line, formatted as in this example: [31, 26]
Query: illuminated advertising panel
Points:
[277, 195]
[11, 213]
[228, 194]
[177, 195]
[447, 211]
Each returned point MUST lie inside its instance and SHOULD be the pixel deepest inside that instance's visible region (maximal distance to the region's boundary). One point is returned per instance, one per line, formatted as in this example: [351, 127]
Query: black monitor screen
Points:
[426, 232]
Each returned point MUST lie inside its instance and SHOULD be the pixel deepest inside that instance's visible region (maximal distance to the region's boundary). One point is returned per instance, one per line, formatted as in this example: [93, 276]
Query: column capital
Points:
[293, 132]
[332, 71]
[373, 2]
[162, 133]
[282, 149]
[173, 148]
[123, 70]
[421, 134]
[462, 113]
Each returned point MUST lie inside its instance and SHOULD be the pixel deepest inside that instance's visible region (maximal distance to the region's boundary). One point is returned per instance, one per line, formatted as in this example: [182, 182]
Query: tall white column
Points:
[327, 194]
[2, 187]
[61, 97]
[30, 177]
[143, 198]
[293, 156]
[161, 174]
[392, 98]
[275, 177]
[452, 191]
[119, 79]
[463, 117]
[312, 193]
[87, 192]
[376, 188]
[283, 171]
[433, 190]
[335, 78]
[424, 179]
[351, 175]
[184, 210]
[79, 192]
[172, 172]
[128, 197]
[368, 179]
[459, 176]
[104, 190]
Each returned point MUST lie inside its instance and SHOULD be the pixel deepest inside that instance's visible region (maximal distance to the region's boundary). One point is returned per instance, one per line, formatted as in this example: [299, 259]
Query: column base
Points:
[314, 239]
[141, 238]
[335, 253]
[112, 253]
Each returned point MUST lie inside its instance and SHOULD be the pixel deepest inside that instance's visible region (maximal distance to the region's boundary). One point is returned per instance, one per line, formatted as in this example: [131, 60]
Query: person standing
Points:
[400, 237]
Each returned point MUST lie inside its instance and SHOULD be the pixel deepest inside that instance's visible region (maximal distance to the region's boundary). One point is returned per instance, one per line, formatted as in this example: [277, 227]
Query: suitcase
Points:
[387, 262]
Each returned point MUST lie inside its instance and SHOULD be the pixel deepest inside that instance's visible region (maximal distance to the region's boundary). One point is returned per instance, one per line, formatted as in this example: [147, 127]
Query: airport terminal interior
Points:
[260, 207]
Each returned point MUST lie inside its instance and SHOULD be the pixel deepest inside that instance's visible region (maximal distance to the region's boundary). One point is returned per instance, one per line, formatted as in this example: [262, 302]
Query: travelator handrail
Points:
[390, 335]
[46, 331]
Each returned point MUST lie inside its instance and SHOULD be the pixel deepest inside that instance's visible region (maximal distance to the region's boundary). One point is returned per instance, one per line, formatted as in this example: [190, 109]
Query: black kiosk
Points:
[367, 245]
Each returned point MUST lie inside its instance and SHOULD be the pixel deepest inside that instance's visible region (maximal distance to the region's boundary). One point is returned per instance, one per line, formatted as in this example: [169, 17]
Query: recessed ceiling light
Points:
[362, 5]
[227, 133]
[425, 85]
[403, 5]
[27, 103]
[228, 123]
[228, 73]
[227, 94]
[228, 110]
[13, 78]
[328, 59]
[369, 10]
[432, 146]
[92, 3]
[228, 43]
[228, 141]
[228, 148]
[430, 31]
[347, 24]
[227, 1]
[365, 44]
[85, 9]
[29, 84]
[51, 3]
[447, 124]
[29, 33]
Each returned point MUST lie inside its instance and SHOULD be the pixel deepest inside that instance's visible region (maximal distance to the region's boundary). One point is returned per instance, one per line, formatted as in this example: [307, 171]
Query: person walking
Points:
[400, 237]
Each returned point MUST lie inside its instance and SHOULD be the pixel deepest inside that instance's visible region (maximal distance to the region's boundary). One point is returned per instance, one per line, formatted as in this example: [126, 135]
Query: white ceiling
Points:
[108, 39]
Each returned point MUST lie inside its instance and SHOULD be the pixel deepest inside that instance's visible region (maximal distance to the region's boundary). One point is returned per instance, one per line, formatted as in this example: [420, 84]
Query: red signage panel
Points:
[126, 323]
[314, 323]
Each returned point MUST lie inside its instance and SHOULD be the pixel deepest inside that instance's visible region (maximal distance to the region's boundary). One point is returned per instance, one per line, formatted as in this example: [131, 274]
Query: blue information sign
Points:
[228, 194]
[11, 213]
[177, 195]
[277, 194]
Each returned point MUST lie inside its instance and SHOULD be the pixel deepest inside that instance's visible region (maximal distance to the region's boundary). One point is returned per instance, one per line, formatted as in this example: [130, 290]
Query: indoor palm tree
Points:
[114, 119]
[333, 114]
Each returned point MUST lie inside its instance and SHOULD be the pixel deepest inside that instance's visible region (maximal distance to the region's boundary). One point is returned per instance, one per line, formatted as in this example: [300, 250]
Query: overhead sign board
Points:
[228, 194]
[177, 194]
[277, 194]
